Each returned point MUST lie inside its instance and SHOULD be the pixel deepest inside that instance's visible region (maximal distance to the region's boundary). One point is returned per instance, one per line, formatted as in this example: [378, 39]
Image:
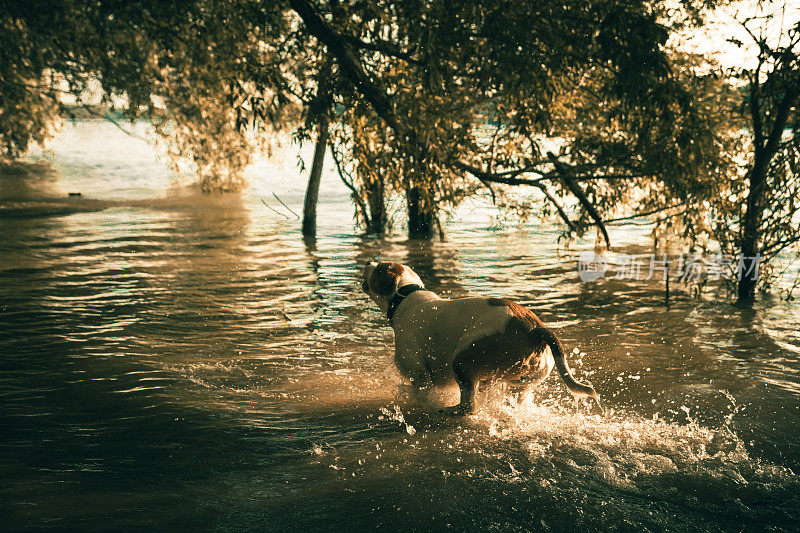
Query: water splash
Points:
[397, 416]
[643, 456]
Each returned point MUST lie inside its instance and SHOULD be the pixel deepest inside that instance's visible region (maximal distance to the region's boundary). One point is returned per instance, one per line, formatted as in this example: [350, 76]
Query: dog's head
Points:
[382, 280]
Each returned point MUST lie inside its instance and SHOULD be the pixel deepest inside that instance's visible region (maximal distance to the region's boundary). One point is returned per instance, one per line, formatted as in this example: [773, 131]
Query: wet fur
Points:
[467, 341]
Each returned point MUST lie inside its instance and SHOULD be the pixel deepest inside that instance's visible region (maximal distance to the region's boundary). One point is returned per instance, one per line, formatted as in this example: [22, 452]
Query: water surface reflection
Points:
[191, 362]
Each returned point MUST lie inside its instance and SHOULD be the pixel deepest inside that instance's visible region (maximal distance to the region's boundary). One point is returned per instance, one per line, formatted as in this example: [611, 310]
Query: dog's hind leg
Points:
[501, 355]
[467, 385]
[469, 369]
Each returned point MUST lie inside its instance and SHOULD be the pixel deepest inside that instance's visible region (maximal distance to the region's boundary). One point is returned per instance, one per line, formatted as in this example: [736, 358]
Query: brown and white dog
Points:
[465, 340]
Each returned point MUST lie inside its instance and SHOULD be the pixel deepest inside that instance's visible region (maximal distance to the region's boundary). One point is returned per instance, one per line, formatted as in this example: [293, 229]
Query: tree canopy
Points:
[588, 102]
[409, 87]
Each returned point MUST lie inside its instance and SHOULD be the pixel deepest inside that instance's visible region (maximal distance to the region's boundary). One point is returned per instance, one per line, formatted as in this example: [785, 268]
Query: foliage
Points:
[33, 72]
[758, 214]
[208, 73]
[592, 73]
[583, 100]
[596, 76]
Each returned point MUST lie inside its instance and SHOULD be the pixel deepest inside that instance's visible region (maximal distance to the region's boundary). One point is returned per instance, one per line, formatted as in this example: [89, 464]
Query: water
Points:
[177, 361]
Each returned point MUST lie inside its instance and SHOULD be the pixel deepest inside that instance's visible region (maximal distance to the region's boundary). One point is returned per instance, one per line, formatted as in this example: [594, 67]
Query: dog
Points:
[466, 341]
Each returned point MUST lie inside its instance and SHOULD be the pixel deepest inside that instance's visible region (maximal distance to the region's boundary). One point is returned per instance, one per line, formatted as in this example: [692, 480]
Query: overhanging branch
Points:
[105, 116]
[380, 101]
[559, 209]
[581, 196]
[648, 213]
[496, 178]
[348, 183]
[383, 48]
[349, 63]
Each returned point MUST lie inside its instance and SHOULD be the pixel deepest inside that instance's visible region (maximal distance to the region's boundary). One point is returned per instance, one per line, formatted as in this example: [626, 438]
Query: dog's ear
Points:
[384, 278]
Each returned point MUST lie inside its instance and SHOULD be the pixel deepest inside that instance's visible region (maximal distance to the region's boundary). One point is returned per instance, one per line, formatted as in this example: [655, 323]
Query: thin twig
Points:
[273, 209]
[286, 206]
[111, 120]
[646, 213]
[356, 196]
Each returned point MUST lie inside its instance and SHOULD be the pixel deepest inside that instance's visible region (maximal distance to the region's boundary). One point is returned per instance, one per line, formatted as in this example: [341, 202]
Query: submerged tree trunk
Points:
[749, 263]
[312, 190]
[421, 219]
[377, 219]
[768, 129]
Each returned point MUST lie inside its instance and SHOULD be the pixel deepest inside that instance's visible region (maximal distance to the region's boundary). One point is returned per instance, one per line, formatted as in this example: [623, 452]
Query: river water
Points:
[176, 361]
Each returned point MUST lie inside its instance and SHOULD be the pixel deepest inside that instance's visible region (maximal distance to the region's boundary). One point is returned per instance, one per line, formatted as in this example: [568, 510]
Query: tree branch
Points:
[495, 178]
[500, 177]
[350, 64]
[111, 120]
[382, 47]
[559, 209]
[349, 184]
[755, 107]
[781, 117]
[581, 196]
[646, 213]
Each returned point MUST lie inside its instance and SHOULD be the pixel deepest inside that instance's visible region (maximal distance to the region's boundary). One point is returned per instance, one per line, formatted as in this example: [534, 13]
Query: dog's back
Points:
[431, 331]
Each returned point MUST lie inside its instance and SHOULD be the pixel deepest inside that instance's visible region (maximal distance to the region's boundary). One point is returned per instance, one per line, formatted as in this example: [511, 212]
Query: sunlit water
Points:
[180, 361]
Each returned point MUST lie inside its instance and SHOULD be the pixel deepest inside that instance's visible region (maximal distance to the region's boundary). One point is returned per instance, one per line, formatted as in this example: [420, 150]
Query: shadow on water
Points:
[191, 362]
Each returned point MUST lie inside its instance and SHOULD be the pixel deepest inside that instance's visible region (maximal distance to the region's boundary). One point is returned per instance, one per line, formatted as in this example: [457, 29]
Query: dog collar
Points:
[398, 297]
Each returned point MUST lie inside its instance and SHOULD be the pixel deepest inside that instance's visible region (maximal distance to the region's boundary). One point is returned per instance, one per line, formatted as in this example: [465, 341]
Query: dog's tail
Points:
[575, 387]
